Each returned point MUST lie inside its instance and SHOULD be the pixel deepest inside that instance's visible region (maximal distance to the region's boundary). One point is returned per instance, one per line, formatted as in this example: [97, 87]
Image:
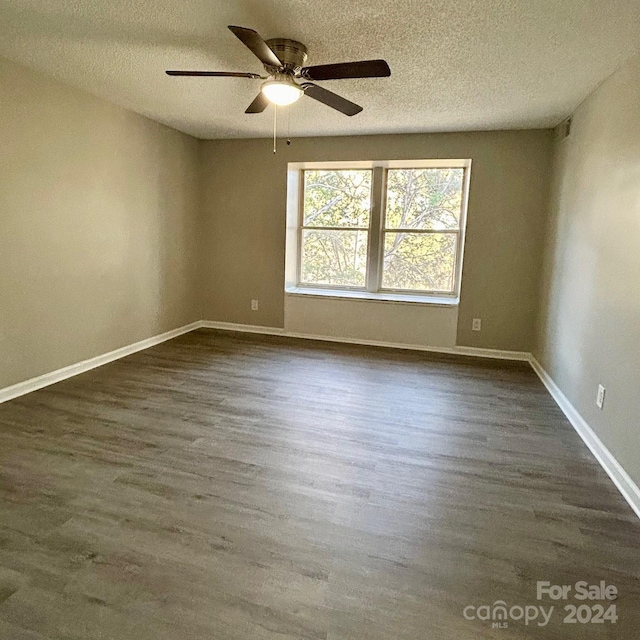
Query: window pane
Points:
[334, 257]
[424, 198]
[419, 261]
[337, 198]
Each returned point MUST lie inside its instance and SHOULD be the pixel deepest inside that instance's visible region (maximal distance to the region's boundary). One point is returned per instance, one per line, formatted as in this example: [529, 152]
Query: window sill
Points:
[404, 298]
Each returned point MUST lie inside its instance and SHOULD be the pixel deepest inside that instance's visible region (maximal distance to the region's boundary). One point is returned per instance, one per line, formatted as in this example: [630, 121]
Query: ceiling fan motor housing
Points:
[291, 53]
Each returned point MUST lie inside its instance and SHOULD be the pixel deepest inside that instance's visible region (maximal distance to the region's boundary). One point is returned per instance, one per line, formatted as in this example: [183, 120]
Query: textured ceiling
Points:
[456, 65]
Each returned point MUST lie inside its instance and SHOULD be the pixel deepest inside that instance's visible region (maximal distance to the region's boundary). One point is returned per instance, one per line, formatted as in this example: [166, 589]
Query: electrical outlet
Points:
[600, 397]
[254, 305]
[476, 325]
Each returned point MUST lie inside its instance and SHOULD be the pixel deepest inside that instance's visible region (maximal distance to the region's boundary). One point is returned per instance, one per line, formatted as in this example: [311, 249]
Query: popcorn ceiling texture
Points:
[463, 65]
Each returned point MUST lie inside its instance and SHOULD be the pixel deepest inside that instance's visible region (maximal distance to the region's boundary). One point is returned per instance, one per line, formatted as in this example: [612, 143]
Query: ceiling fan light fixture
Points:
[282, 91]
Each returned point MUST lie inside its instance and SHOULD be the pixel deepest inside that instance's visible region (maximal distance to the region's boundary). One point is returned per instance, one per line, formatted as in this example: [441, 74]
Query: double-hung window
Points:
[381, 230]
[336, 221]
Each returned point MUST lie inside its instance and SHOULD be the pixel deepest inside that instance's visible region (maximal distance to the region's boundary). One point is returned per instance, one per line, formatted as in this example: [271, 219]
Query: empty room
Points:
[319, 320]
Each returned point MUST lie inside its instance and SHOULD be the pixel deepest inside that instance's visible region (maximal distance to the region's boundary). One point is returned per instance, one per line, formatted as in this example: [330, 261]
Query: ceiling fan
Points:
[284, 61]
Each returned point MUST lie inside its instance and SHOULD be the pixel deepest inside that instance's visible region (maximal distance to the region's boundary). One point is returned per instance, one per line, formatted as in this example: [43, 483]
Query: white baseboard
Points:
[461, 351]
[243, 328]
[496, 354]
[627, 487]
[33, 384]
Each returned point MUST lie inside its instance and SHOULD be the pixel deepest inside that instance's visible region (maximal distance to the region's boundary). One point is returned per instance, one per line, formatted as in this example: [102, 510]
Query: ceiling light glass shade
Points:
[282, 92]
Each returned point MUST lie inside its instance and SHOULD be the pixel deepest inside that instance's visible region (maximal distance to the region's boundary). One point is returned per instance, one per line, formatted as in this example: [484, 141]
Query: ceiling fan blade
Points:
[260, 103]
[215, 74]
[331, 99]
[253, 40]
[360, 69]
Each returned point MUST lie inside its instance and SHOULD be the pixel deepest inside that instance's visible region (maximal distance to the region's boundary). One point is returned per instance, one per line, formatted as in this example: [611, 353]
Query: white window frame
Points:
[373, 285]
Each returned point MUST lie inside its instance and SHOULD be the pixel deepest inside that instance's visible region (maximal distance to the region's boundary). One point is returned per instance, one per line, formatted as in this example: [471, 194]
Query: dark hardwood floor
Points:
[222, 486]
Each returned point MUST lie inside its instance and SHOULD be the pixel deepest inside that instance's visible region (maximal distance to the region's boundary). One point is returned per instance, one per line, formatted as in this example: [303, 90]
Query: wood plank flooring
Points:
[233, 487]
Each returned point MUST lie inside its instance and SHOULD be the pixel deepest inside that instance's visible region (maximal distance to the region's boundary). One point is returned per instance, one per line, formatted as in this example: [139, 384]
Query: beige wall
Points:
[98, 215]
[244, 188]
[589, 328]
[391, 322]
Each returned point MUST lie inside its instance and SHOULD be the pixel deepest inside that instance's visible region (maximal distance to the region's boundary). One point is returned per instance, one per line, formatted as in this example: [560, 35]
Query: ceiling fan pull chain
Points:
[289, 126]
[275, 126]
